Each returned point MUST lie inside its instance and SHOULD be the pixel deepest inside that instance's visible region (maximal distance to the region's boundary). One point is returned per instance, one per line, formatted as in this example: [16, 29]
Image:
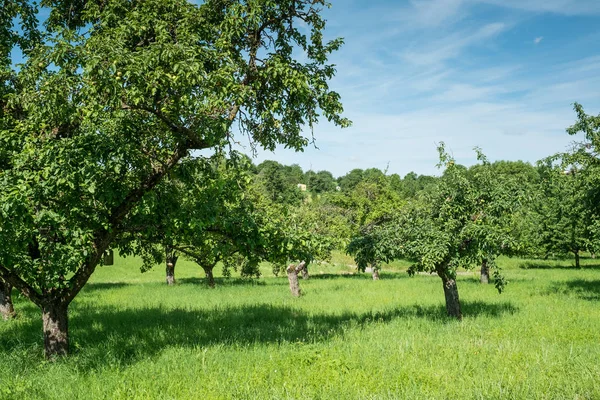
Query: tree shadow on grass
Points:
[472, 309]
[96, 286]
[543, 265]
[584, 289]
[225, 282]
[109, 335]
[360, 276]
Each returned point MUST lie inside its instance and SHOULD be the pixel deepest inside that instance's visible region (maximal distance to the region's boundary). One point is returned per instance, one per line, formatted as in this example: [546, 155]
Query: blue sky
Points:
[498, 74]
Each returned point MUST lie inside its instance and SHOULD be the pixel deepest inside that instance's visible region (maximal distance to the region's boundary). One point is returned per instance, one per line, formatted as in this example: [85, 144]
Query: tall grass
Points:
[348, 337]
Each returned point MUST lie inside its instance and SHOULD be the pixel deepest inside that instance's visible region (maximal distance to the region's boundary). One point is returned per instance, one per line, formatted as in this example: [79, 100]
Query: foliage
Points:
[205, 211]
[280, 183]
[457, 224]
[564, 211]
[303, 233]
[320, 182]
[563, 216]
[350, 180]
[118, 93]
[371, 203]
[413, 184]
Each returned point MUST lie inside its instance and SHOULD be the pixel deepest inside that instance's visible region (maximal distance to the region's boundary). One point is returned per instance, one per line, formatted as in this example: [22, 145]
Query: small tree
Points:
[563, 213]
[182, 216]
[371, 204]
[441, 231]
[500, 198]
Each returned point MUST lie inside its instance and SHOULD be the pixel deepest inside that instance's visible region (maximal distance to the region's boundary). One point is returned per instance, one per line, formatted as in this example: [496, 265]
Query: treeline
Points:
[280, 181]
[554, 201]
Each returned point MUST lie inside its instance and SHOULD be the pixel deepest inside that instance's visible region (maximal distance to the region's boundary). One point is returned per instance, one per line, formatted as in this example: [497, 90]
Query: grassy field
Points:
[348, 337]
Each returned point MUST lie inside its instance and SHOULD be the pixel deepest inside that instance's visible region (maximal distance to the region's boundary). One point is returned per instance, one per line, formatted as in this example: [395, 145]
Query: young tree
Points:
[444, 229]
[115, 96]
[234, 234]
[564, 218]
[501, 197]
[370, 204]
[585, 158]
[198, 210]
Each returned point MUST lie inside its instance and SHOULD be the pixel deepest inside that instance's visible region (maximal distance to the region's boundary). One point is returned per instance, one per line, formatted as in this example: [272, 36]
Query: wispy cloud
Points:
[432, 13]
[416, 72]
[452, 46]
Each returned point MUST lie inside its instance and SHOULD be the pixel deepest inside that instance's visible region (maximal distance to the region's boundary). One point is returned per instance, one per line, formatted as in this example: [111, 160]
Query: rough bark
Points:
[56, 329]
[210, 277]
[375, 273]
[292, 273]
[485, 272]
[171, 259]
[451, 294]
[6, 305]
[305, 274]
[577, 262]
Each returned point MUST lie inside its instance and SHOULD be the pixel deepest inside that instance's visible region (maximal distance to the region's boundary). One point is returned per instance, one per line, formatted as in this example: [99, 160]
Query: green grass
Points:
[347, 338]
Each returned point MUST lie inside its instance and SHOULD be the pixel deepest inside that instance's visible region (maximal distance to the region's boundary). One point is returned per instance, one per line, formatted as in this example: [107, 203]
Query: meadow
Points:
[348, 337]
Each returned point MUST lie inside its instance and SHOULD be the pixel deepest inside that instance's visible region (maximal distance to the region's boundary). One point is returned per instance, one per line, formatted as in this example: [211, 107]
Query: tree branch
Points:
[104, 238]
[194, 142]
[21, 285]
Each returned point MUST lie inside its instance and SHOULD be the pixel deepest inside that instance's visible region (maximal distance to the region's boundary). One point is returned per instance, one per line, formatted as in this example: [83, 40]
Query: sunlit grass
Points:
[347, 337]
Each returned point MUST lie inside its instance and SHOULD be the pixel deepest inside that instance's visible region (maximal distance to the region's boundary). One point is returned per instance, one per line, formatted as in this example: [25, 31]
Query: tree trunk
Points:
[451, 294]
[375, 274]
[171, 259]
[109, 257]
[56, 329]
[577, 263]
[292, 273]
[485, 272]
[305, 272]
[210, 277]
[6, 305]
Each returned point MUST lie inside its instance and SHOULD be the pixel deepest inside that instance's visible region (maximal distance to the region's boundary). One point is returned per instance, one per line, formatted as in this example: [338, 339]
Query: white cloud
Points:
[407, 140]
[537, 40]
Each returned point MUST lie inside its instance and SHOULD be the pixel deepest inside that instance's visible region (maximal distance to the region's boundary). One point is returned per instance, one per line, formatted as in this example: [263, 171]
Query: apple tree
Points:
[453, 225]
[114, 96]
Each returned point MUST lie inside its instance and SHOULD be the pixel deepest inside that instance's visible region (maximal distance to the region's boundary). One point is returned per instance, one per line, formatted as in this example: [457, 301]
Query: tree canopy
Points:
[115, 94]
